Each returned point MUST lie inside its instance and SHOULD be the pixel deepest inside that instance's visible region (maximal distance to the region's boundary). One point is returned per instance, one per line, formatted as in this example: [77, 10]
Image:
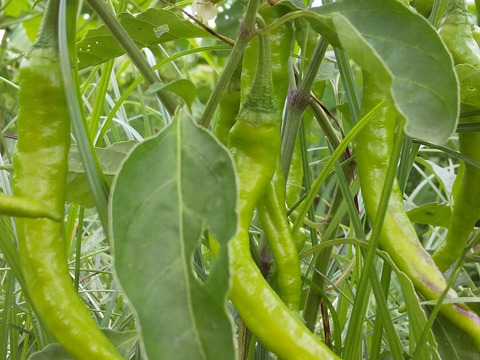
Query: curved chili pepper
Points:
[398, 236]
[457, 33]
[255, 144]
[40, 169]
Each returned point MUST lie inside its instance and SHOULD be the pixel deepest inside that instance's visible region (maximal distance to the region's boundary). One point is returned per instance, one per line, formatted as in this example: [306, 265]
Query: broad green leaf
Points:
[169, 190]
[148, 28]
[182, 87]
[405, 55]
[433, 214]
[110, 158]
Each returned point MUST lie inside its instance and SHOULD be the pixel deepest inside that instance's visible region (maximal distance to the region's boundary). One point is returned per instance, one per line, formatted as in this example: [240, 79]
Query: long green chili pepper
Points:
[398, 236]
[273, 217]
[255, 144]
[40, 168]
[272, 208]
[457, 33]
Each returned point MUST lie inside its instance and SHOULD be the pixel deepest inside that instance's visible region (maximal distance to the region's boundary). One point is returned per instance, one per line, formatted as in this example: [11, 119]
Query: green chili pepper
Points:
[255, 144]
[272, 208]
[273, 217]
[424, 7]
[457, 33]
[40, 168]
[228, 107]
[398, 236]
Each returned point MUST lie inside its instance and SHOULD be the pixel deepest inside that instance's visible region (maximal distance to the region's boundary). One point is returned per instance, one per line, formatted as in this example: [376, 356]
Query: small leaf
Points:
[405, 55]
[169, 190]
[148, 28]
[453, 343]
[326, 71]
[445, 177]
[52, 352]
[110, 158]
[182, 87]
[433, 214]
[15, 8]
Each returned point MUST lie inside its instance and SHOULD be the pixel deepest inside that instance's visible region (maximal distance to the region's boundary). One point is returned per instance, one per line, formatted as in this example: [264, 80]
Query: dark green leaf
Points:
[169, 190]
[148, 28]
[110, 158]
[406, 56]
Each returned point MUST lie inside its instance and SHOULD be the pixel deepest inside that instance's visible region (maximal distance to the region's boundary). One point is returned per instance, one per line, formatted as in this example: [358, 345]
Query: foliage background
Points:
[141, 116]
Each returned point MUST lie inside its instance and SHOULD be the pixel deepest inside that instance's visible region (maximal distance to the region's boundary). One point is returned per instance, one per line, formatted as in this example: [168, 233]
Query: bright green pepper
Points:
[40, 168]
[457, 33]
[272, 207]
[255, 144]
[398, 237]
[273, 217]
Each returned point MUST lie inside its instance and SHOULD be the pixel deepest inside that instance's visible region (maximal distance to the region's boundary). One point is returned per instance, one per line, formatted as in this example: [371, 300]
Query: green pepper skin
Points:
[255, 144]
[273, 217]
[228, 107]
[254, 149]
[466, 210]
[40, 169]
[272, 207]
[458, 35]
[398, 237]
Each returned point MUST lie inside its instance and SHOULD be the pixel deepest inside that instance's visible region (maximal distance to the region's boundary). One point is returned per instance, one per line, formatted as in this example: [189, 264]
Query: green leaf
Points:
[404, 53]
[153, 26]
[433, 214]
[110, 158]
[445, 177]
[51, 352]
[15, 8]
[182, 87]
[169, 190]
[453, 343]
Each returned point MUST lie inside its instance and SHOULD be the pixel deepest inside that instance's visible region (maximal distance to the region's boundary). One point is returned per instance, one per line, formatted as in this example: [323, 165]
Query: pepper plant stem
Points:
[90, 162]
[247, 30]
[297, 102]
